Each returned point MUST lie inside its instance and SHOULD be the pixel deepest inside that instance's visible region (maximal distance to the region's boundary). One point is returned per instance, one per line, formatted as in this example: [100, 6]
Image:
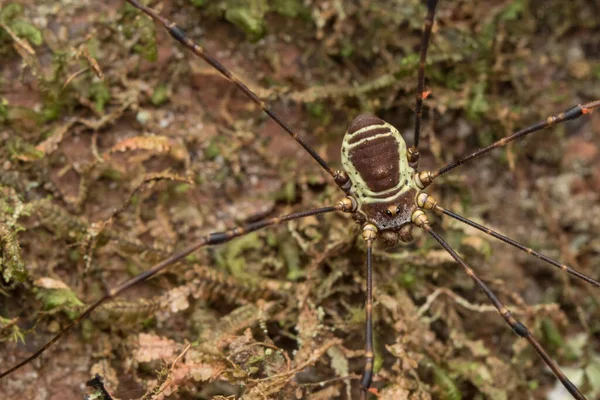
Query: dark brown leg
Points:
[519, 246]
[340, 178]
[427, 202]
[571, 113]
[413, 152]
[209, 240]
[369, 234]
[517, 326]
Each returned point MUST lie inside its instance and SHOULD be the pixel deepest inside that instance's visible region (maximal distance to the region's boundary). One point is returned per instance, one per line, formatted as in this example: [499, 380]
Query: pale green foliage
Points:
[10, 331]
[11, 15]
[449, 390]
[232, 255]
[248, 15]
[12, 265]
[59, 300]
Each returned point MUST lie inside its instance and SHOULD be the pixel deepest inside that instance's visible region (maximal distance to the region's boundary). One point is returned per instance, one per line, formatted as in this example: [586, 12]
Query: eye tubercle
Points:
[392, 210]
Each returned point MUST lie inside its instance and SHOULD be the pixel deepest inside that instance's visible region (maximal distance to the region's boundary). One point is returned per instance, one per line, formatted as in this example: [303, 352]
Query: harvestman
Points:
[384, 194]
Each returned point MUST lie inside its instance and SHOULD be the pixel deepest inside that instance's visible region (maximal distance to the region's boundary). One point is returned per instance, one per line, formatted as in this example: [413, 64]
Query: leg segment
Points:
[369, 234]
[519, 246]
[414, 150]
[427, 202]
[209, 240]
[517, 326]
[571, 113]
[180, 36]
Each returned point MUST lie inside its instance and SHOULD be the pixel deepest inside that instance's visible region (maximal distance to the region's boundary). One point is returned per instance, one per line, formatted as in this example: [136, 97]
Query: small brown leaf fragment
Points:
[152, 347]
[51, 144]
[199, 369]
[177, 299]
[22, 43]
[158, 144]
[50, 283]
[329, 392]
[84, 52]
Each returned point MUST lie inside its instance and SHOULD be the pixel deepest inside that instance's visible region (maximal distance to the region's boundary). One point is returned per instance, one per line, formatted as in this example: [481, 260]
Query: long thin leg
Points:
[517, 326]
[369, 235]
[571, 113]
[180, 36]
[209, 240]
[519, 246]
[367, 376]
[427, 202]
[414, 151]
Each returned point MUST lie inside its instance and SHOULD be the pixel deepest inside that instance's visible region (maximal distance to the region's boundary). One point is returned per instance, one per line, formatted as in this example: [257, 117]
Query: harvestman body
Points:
[375, 158]
[384, 193]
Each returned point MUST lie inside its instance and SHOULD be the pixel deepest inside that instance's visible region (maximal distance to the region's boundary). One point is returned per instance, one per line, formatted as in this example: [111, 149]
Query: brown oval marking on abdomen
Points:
[377, 162]
[362, 121]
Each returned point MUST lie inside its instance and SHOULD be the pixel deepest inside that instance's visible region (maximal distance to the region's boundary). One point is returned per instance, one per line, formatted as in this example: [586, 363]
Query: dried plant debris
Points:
[118, 148]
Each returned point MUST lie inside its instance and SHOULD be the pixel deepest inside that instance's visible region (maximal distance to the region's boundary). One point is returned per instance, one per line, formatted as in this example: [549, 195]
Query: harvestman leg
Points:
[413, 152]
[426, 202]
[340, 177]
[426, 177]
[518, 327]
[369, 235]
[208, 240]
[370, 231]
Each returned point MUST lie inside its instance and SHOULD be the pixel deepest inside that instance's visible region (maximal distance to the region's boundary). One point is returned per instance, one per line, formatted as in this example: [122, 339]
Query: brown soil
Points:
[102, 178]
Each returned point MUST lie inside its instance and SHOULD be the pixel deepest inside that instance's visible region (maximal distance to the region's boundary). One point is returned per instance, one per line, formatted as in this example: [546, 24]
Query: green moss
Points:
[9, 12]
[100, 95]
[11, 15]
[54, 300]
[533, 385]
[11, 261]
[231, 255]
[160, 95]
[115, 175]
[356, 315]
[87, 330]
[513, 10]
[555, 339]
[9, 331]
[57, 99]
[25, 30]
[288, 8]
[289, 251]
[248, 15]
[213, 150]
[597, 71]
[316, 110]
[18, 148]
[347, 50]
[3, 110]
[478, 104]
[287, 193]
[182, 188]
[142, 28]
[408, 279]
[448, 388]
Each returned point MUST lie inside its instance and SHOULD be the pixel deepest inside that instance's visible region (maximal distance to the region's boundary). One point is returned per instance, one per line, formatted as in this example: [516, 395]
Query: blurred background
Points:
[120, 147]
